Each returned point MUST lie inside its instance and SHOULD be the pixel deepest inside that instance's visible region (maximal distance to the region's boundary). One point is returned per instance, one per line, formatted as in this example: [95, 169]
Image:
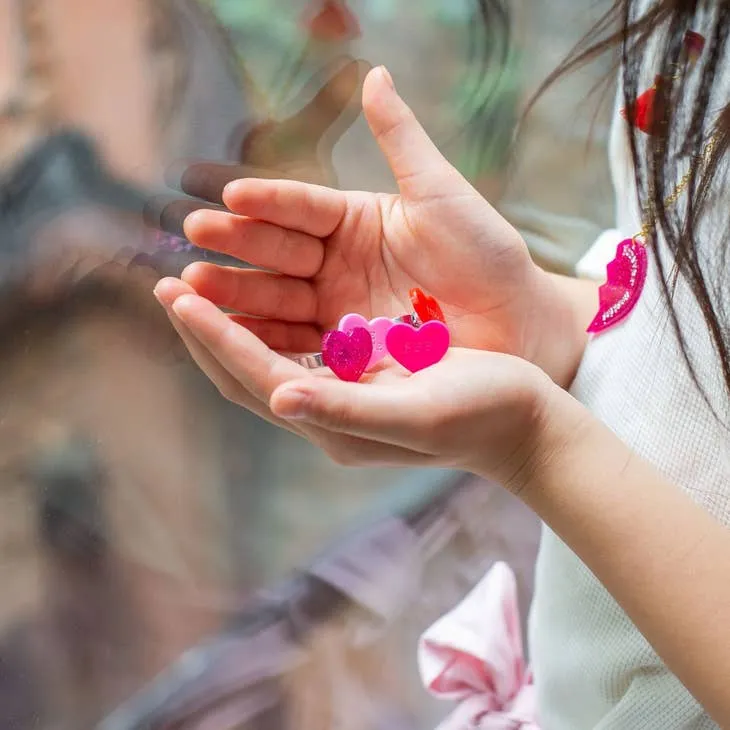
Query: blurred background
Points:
[167, 560]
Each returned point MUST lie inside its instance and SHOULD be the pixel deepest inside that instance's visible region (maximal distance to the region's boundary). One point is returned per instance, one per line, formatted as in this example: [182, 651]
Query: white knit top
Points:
[593, 669]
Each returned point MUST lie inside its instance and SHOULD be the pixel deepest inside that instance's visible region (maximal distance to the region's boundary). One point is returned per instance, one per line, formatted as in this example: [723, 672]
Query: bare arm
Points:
[662, 557]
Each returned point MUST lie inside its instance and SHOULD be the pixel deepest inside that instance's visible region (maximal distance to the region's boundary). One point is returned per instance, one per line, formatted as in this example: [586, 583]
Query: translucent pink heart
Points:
[625, 279]
[416, 349]
[378, 329]
[347, 353]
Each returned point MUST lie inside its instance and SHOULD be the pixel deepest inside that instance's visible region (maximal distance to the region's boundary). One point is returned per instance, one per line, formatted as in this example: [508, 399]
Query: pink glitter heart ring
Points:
[347, 354]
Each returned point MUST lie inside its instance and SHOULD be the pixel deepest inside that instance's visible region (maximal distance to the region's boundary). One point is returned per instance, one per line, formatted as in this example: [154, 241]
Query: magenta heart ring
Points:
[418, 348]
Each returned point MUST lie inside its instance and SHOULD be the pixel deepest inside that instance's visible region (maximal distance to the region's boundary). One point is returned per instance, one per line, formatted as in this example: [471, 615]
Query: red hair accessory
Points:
[642, 114]
[694, 44]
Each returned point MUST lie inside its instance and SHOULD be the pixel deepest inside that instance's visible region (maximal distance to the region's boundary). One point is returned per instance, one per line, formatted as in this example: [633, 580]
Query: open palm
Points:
[322, 253]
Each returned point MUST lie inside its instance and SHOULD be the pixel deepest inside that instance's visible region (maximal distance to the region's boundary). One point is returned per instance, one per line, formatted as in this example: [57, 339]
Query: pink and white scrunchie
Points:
[473, 655]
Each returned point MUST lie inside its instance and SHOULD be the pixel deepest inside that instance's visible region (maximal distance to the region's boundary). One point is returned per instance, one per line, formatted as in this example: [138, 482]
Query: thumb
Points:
[418, 165]
[376, 412]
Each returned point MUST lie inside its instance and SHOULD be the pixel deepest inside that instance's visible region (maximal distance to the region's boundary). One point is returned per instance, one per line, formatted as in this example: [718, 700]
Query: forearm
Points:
[569, 305]
[663, 558]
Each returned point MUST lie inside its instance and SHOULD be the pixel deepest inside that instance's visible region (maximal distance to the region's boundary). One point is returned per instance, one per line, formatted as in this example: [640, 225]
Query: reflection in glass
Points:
[168, 560]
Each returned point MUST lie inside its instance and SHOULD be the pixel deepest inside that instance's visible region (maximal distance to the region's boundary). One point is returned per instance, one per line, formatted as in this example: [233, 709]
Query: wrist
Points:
[563, 307]
[561, 424]
[513, 447]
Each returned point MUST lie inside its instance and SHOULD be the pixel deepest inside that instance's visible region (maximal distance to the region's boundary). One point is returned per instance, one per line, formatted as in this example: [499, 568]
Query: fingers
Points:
[415, 160]
[205, 180]
[167, 291]
[251, 292]
[245, 371]
[398, 415]
[328, 115]
[256, 242]
[282, 336]
[168, 213]
[311, 209]
[258, 369]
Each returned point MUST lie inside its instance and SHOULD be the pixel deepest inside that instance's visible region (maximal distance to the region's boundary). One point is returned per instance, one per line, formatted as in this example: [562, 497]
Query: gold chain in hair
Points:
[649, 222]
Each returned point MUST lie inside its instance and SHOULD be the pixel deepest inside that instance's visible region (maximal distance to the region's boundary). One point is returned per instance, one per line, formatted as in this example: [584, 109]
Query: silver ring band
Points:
[314, 361]
[311, 362]
[411, 319]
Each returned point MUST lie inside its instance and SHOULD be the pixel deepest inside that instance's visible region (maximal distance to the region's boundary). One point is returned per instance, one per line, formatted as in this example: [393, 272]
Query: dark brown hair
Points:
[683, 125]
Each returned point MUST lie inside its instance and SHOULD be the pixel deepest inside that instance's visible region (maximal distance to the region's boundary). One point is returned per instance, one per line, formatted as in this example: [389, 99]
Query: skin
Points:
[335, 252]
[495, 405]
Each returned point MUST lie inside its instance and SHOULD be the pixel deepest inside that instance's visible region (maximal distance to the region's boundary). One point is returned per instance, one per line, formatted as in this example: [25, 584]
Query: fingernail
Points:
[388, 78]
[193, 218]
[178, 307]
[229, 189]
[292, 404]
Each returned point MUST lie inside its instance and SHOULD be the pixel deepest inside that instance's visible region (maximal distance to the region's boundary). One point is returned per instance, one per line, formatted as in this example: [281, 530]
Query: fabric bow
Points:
[473, 655]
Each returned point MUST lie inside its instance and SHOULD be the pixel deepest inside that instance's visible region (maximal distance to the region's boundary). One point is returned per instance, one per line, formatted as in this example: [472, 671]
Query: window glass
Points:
[167, 558]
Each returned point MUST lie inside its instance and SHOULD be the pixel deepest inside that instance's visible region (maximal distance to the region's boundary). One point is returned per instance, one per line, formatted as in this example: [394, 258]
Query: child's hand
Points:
[336, 252]
[474, 410]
